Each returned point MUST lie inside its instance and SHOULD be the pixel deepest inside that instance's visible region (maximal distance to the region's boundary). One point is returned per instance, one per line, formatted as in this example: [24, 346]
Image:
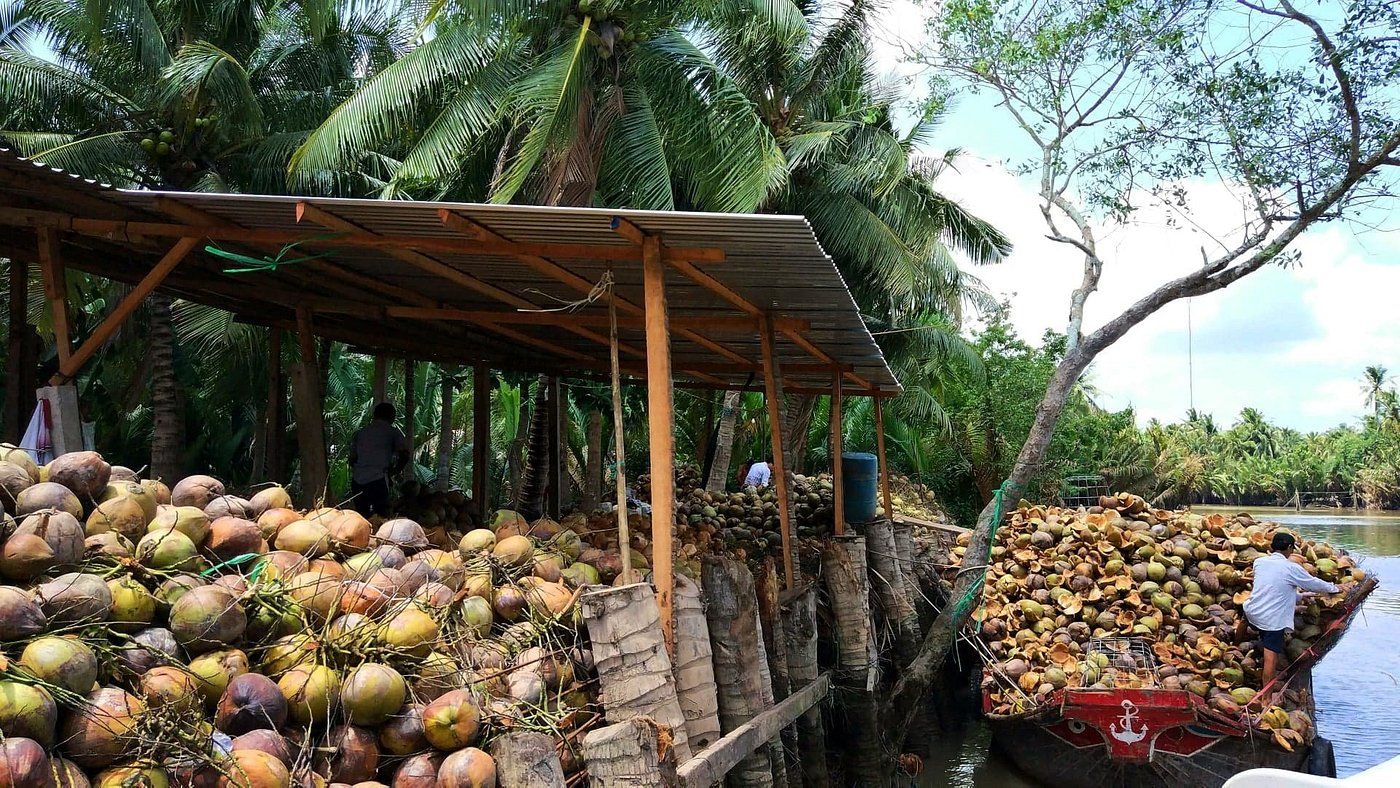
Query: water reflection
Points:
[1357, 685]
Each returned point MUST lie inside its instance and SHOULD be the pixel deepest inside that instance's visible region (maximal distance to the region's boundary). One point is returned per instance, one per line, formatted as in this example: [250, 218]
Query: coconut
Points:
[74, 598]
[109, 544]
[98, 732]
[467, 768]
[122, 514]
[255, 769]
[83, 472]
[509, 603]
[274, 520]
[547, 566]
[410, 631]
[434, 595]
[149, 648]
[268, 498]
[66, 774]
[65, 662]
[402, 533]
[304, 537]
[20, 615]
[207, 617]
[438, 675]
[27, 711]
[196, 491]
[214, 670]
[188, 520]
[13, 481]
[451, 722]
[364, 598]
[171, 590]
[478, 542]
[229, 506]
[477, 616]
[390, 556]
[23, 763]
[167, 549]
[354, 756]
[47, 495]
[312, 692]
[508, 523]
[127, 776]
[133, 607]
[230, 537]
[514, 551]
[315, 592]
[402, 733]
[580, 574]
[169, 686]
[420, 771]
[350, 532]
[15, 455]
[550, 599]
[158, 490]
[265, 740]
[295, 650]
[527, 687]
[251, 701]
[44, 541]
[372, 692]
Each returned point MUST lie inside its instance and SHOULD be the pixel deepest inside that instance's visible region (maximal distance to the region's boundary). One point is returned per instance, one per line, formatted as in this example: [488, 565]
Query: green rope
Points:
[270, 263]
[235, 561]
[975, 591]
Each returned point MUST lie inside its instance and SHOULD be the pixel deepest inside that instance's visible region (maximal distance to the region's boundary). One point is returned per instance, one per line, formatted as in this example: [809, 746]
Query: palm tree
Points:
[1373, 381]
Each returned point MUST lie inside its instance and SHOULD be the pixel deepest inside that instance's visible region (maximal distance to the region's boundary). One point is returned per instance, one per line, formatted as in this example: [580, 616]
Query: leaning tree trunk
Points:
[593, 474]
[799, 424]
[168, 434]
[534, 474]
[444, 444]
[724, 442]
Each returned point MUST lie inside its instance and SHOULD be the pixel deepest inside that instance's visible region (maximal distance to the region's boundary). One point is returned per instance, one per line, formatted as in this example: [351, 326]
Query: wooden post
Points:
[526, 759]
[66, 422]
[276, 422]
[19, 363]
[880, 455]
[624, 539]
[661, 435]
[838, 492]
[381, 380]
[311, 439]
[739, 658]
[410, 372]
[634, 669]
[554, 494]
[773, 393]
[800, 639]
[694, 667]
[56, 290]
[68, 368]
[629, 755]
[444, 446]
[481, 438]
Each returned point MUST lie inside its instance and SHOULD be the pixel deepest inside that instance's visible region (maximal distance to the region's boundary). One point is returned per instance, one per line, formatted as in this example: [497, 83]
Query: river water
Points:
[1357, 685]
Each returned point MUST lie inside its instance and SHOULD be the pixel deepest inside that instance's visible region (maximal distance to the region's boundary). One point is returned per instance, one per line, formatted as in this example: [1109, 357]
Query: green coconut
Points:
[132, 777]
[438, 674]
[477, 616]
[133, 607]
[169, 686]
[514, 551]
[509, 522]
[312, 692]
[290, 651]
[122, 515]
[372, 693]
[13, 454]
[27, 711]
[316, 592]
[207, 617]
[167, 549]
[452, 721]
[273, 497]
[410, 631]
[580, 574]
[214, 670]
[65, 662]
[97, 733]
[188, 520]
[13, 481]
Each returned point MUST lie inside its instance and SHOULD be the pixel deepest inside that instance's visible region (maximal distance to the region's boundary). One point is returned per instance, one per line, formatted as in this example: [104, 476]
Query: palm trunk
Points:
[168, 433]
[381, 380]
[444, 445]
[410, 368]
[799, 423]
[516, 450]
[533, 476]
[724, 442]
[593, 479]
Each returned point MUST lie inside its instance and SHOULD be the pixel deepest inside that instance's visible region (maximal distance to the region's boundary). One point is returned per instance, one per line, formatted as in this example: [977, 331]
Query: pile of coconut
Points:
[154, 636]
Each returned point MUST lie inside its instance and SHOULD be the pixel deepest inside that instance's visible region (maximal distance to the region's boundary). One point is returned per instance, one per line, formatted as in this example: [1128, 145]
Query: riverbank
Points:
[1357, 685]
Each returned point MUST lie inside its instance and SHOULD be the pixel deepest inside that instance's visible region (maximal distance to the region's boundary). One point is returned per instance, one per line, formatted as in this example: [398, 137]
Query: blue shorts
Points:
[1272, 640]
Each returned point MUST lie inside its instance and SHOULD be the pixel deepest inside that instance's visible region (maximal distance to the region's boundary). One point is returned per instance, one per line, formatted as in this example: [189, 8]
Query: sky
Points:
[1289, 342]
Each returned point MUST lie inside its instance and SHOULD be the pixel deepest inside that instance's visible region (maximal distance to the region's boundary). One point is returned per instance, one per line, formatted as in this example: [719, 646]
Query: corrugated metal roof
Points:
[774, 262]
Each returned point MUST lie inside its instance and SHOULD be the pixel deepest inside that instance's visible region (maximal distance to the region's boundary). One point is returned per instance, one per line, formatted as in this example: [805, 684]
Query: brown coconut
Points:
[420, 771]
[83, 472]
[15, 455]
[230, 537]
[95, 734]
[272, 521]
[207, 617]
[354, 757]
[23, 763]
[451, 722]
[196, 491]
[350, 532]
[47, 495]
[74, 598]
[268, 741]
[230, 506]
[171, 686]
[67, 774]
[403, 533]
[20, 615]
[272, 497]
[111, 544]
[121, 473]
[13, 481]
[250, 702]
[216, 669]
[254, 769]
[122, 515]
[157, 489]
[467, 768]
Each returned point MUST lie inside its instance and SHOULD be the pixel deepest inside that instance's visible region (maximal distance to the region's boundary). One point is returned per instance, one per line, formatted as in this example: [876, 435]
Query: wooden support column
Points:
[381, 379]
[68, 368]
[410, 389]
[444, 446]
[661, 423]
[554, 493]
[838, 493]
[311, 438]
[19, 363]
[481, 437]
[56, 290]
[773, 393]
[276, 422]
[880, 456]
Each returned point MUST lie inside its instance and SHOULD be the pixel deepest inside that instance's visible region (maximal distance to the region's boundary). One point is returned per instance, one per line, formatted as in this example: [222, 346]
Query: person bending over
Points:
[1269, 609]
[378, 451]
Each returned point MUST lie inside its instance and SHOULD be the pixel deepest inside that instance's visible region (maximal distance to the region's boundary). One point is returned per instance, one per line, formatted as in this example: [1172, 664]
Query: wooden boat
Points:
[1167, 738]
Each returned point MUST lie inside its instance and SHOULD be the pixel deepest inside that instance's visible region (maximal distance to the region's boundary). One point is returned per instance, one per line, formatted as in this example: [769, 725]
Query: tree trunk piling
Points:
[739, 659]
[887, 581]
[775, 647]
[631, 754]
[526, 759]
[694, 667]
[800, 644]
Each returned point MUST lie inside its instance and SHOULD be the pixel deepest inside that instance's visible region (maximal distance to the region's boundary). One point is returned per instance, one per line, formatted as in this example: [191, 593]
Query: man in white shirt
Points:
[760, 475]
[1269, 609]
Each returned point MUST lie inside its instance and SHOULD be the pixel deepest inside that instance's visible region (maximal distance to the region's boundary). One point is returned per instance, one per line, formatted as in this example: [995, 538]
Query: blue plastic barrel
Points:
[860, 484]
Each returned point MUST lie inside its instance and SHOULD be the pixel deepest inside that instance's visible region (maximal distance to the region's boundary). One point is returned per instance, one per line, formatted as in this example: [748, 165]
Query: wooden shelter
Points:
[716, 301]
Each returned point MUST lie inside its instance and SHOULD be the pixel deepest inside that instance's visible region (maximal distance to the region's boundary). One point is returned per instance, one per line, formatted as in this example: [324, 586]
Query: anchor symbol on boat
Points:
[1123, 729]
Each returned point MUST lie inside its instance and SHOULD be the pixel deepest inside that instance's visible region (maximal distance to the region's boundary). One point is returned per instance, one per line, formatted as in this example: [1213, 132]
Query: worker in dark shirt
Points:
[378, 451]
